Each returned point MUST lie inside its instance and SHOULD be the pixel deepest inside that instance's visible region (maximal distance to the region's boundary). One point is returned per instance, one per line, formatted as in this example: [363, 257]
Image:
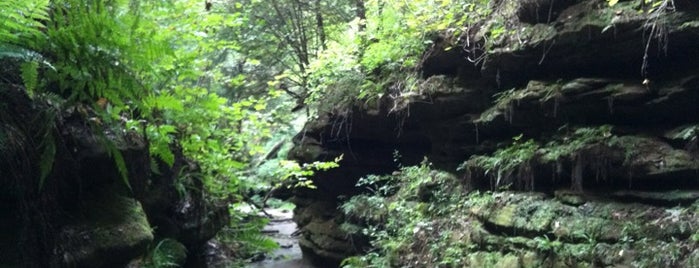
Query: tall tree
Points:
[284, 36]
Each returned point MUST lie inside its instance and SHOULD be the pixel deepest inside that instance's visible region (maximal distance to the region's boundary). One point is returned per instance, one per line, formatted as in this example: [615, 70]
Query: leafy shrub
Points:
[507, 164]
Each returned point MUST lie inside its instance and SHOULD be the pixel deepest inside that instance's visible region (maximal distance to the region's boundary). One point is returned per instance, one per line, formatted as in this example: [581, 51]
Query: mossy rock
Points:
[570, 197]
[528, 213]
[599, 219]
[508, 261]
[328, 235]
[308, 152]
[671, 198]
[530, 259]
[109, 231]
[483, 259]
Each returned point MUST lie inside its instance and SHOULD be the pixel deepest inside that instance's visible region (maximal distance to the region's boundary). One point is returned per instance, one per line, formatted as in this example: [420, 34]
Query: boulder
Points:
[108, 231]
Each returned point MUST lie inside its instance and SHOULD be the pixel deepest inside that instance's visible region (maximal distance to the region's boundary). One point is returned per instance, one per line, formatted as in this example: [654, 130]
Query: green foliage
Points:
[402, 29]
[21, 29]
[547, 245]
[90, 45]
[517, 160]
[47, 158]
[167, 253]
[133, 67]
[30, 75]
[155, 68]
[399, 210]
[113, 151]
[295, 175]
[336, 76]
[507, 163]
[568, 146]
[687, 133]
[384, 49]
[21, 22]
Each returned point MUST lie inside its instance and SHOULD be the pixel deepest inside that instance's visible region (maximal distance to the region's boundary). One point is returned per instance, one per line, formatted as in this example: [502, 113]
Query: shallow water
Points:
[281, 229]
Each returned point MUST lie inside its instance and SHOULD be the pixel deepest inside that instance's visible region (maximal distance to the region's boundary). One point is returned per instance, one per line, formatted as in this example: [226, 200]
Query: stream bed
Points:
[281, 229]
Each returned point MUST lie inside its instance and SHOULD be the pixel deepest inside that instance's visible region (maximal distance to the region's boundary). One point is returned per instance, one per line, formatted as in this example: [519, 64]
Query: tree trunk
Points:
[320, 25]
[360, 12]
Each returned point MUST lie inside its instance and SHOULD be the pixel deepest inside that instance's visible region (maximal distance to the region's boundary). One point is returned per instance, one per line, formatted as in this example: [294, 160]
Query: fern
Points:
[113, 151]
[45, 133]
[253, 240]
[30, 75]
[166, 253]
[160, 140]
[100, 51]
[17, 52]
[20, 21]
[28, 61]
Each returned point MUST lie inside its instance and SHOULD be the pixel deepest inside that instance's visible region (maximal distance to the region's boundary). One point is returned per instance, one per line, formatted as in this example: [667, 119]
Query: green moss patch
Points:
[112, 229]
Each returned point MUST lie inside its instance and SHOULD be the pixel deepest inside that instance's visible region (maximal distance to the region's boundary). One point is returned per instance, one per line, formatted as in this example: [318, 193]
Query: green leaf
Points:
[30, 75]
[121, 166]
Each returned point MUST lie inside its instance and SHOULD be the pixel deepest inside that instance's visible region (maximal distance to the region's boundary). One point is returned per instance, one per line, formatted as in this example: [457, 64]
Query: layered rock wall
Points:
[560, 66]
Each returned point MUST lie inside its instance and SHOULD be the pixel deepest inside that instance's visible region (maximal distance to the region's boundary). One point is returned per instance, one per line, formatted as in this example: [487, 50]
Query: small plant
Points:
[167, 253]
[518, 159]
[569, 145]
[506, 164]
[546, 245]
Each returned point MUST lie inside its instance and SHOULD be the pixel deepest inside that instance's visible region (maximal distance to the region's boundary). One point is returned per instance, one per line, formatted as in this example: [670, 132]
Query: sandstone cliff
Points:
[606, 95]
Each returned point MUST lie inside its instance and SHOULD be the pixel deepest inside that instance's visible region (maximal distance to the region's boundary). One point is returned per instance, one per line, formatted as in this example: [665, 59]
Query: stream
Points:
[281, 229]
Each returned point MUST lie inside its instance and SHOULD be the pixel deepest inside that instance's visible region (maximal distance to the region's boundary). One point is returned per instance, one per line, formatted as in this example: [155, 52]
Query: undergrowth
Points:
[166, 253]
[398, 208]
[421, 217]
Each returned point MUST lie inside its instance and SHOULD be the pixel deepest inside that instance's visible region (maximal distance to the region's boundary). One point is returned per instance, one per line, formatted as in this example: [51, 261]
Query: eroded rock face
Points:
[563, 64]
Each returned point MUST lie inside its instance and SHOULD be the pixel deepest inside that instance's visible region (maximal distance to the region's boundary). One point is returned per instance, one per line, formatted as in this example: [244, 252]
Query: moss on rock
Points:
[110, 231]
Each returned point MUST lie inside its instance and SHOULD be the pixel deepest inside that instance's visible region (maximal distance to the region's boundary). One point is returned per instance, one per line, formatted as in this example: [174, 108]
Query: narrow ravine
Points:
[281, 229]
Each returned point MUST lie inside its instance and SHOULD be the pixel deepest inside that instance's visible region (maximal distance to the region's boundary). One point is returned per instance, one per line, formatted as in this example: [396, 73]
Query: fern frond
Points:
[30, 75]
[120, 163]
[113, 151]
[20, 22]
[45, 133]
[254, 240]
[17, 52]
